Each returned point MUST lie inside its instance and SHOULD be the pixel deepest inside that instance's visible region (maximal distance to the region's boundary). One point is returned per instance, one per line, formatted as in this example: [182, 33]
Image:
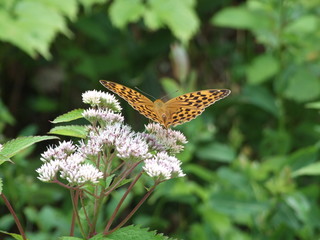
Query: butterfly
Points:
[173, 112]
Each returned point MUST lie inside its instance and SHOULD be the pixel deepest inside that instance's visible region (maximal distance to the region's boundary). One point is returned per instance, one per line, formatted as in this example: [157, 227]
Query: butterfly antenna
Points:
[145, 93]
[169, 94]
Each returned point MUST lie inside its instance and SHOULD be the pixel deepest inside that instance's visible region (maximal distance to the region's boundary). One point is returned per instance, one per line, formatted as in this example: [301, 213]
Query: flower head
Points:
[161, 139]
[103, 116]
[77, 173]
[101, 99]
[48, 170]
[69, 161]
[163, 167]
[58, 152]
[127, 144]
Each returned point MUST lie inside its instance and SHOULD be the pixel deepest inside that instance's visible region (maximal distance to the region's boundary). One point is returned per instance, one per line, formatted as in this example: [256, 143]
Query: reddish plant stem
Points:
[16, 219]
[73, 221]
[85, 210]
[120, 203]
[123, 177]
[133, 211]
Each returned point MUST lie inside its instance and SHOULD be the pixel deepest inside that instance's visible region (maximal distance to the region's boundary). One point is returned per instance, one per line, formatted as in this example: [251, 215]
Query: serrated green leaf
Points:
[183, 23]
[68, 8]
[14, 235]
[14, 146]
[69, 116]
[131, 233]
[70, 130]
[3, 159]
[123, 12]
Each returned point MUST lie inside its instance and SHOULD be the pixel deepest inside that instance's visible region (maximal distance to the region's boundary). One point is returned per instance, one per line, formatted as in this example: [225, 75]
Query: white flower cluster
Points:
[69, 162]
[163, 167]
[102, 116]
[127, 144]
[161, 139]
[101, 99]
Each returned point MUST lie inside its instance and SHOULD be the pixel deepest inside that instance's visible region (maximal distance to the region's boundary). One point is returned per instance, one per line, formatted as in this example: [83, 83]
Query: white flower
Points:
[91, 148]
[163, 167]
[101, 99]
[1, 147]
[128, 144]
[59, 152]
[75, 172]
[48, 170]
[132, 147]
[161, 139]
[89, 173]
[102, 115]
[112, 133]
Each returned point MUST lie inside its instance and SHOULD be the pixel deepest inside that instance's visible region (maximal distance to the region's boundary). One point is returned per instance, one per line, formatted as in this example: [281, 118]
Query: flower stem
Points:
[120, 203]
[133, 211]
[123, 177]
[16, 219]
[75, 201]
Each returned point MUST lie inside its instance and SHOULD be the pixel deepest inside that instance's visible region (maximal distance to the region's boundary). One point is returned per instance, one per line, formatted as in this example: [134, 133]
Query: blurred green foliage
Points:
[252, 160]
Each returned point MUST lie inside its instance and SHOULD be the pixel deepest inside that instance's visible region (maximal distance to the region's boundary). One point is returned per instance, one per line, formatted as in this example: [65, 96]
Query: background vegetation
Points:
[252, 160]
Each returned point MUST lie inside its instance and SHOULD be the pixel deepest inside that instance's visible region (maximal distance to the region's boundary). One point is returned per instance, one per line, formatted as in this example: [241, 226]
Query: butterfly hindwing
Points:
[188, 106]
[138, 101]
[183, 114]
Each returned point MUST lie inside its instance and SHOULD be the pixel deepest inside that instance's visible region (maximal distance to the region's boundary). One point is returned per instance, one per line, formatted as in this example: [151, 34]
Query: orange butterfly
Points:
[173, 112]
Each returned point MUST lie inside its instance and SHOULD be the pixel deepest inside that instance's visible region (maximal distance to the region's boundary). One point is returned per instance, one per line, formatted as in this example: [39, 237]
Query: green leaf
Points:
[217, 152]
[261, 97]
[108, 181]
[69, 116]
[131, 233]
[304, 24]
[227, 204]
[88, 3]
[199, 171]
[262, 69]
[14, 235]
[313, 105]
[171, 87]
[309, 170]
[70, 238]
[123, 12]
[183, 23]
[303, 86]
[15, 146]
[68, 8]
[4, 158]
[235, 17]
[71, 130]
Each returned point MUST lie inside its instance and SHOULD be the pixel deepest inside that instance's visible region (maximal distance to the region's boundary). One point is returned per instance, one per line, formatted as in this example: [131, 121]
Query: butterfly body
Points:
[173, 112]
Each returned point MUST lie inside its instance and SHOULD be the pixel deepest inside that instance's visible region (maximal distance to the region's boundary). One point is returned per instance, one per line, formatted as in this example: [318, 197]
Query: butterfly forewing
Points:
[138, 101]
